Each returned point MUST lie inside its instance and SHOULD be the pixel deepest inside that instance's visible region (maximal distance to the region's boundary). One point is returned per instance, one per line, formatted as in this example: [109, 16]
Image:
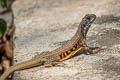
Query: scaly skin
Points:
[66, 51]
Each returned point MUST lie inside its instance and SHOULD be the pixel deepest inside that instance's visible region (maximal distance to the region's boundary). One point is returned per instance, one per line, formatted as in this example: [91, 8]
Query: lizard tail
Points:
[22, 66]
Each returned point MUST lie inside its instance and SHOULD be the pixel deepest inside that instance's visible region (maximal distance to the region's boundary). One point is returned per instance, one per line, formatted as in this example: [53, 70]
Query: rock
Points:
[41, 25]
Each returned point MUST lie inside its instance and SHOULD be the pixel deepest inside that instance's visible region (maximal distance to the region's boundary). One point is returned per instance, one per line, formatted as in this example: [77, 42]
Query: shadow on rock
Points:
[107, 19]
[108, 37]
[110, 68]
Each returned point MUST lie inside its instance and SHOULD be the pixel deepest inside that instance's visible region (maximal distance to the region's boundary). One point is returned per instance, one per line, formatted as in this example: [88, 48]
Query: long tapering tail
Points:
[22, 66]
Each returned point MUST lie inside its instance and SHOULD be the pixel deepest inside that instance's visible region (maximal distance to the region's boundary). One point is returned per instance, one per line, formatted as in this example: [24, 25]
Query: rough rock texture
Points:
[44, 25]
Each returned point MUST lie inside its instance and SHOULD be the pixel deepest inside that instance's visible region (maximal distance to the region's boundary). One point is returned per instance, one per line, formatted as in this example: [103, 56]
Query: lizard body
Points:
[66, 51]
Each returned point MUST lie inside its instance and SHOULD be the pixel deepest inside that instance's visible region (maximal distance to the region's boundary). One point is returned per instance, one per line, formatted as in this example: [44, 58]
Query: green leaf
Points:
[3, 3]
[3, 27]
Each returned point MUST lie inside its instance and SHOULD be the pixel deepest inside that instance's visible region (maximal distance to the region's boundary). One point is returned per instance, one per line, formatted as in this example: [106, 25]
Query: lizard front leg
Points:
[89, 50]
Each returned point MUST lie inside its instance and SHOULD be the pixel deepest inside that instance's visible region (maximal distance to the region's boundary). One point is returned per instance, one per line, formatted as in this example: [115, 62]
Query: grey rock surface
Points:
[44, 25]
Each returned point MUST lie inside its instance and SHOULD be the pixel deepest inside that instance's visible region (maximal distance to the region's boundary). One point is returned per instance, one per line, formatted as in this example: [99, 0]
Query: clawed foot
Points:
[91, 50]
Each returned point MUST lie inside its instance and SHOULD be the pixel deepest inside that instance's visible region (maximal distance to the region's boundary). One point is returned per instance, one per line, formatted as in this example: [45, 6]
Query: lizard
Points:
[66, 51]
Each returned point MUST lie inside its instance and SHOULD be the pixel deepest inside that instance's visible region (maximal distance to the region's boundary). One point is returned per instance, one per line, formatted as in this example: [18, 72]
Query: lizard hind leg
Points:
[58, 64]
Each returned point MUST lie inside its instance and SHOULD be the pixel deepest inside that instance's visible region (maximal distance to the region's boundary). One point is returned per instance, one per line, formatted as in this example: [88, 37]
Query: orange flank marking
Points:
[71, 54]
[73, 48]
[65, 54]
[62, 56]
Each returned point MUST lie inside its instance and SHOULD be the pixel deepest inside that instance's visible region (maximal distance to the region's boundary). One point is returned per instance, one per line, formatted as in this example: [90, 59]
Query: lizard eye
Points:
[88, 18]
[87, 22]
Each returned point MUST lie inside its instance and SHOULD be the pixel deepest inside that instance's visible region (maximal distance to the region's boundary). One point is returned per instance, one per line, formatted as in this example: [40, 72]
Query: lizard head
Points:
[86, 23]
